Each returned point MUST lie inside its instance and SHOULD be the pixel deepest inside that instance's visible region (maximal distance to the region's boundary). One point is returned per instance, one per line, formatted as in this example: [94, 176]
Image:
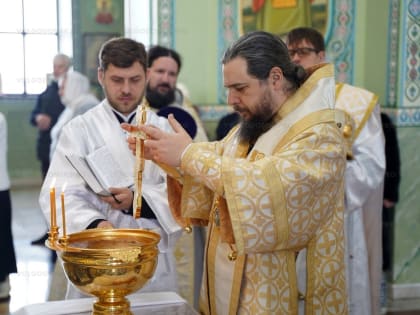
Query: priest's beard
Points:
[261, 121]
[158, 100]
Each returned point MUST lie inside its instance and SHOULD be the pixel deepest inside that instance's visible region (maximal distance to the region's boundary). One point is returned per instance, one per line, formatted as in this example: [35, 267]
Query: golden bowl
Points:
[108, 264]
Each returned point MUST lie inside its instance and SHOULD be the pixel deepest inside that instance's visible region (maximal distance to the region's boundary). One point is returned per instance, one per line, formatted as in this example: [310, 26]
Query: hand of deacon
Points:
[161, 146]
[105, 225]
[121, 198]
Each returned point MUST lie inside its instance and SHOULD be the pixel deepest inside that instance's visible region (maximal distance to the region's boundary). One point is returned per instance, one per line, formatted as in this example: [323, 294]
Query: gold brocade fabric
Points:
[184, 253]
[357, 102]
[285, 195]
[268, 282]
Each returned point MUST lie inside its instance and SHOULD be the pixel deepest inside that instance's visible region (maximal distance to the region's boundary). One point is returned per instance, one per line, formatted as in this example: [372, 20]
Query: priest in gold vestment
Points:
[364, 178]
[271, 187]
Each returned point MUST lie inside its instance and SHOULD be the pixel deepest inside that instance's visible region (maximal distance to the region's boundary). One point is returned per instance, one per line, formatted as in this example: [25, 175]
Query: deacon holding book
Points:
[97, 136]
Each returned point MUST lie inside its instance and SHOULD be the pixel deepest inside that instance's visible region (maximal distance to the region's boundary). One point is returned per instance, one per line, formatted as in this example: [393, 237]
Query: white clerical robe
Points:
[262, 207]
[364, 198]
[96, 128]
[363, 201]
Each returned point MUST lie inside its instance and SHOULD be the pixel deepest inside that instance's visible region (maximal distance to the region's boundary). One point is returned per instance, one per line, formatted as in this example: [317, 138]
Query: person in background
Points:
[122, 75]
[76, 96]
[364, 177]
[47, 110]
[273, 185]
[164, 66]
[162, 94]
[8, 261]
[44, 116]
[391, 197]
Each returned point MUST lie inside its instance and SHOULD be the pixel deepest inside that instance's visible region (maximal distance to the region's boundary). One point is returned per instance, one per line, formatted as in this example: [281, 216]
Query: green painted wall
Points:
[195, 39]
[370, 35]
[24, 168]
[407, 219]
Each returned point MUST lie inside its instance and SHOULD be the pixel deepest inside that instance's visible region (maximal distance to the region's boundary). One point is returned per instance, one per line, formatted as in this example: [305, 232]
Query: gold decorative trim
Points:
[369, 102]
[236, 284]
[211, 266]
[316, 73]
[369, 110]
[291, 266]
[233, 211]
[322, 116]
[310, 277]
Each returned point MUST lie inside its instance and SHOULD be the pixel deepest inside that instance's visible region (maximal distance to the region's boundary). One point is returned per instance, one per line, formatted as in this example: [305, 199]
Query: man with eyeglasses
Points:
[364, 178]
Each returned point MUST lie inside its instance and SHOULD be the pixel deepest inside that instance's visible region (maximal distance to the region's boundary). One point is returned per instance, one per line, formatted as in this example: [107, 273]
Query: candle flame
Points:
[64, 187]
[53, 183]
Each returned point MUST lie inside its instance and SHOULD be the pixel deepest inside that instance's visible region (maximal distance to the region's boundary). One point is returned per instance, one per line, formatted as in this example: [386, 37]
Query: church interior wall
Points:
[196, 40]
[22, 163]
[370, 59]
[406, 260]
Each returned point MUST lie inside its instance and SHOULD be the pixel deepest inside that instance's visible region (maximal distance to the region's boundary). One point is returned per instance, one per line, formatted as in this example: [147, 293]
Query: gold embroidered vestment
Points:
[285, 195]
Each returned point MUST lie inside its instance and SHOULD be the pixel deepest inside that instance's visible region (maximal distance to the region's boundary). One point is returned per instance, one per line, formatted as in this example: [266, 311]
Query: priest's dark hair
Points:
[122, 53]
[157, 51]
[262, 51]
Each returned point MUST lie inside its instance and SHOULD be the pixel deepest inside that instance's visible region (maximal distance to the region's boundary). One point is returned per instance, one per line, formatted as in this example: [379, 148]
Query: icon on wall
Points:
[104, 12]
[92, 43]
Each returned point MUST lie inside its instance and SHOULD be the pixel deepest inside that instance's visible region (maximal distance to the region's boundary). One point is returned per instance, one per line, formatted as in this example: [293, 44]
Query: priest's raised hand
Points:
[161, 146]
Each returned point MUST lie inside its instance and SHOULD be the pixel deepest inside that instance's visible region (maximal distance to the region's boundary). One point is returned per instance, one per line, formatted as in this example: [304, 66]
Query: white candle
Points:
[52, 205]
[63, 211]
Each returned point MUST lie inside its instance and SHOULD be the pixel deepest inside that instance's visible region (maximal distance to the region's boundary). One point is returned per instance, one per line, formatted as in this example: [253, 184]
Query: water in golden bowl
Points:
[109, 264]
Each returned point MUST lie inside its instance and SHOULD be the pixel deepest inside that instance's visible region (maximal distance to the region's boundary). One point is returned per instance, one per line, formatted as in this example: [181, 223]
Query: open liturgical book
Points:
[100, 171]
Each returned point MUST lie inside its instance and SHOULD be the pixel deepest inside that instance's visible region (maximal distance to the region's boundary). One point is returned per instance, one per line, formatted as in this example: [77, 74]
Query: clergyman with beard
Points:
[164, 66]
[122, 75]
[271, 187]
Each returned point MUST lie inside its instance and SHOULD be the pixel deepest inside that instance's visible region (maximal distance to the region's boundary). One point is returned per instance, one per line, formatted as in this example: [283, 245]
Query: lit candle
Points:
[63, 211]
[52, 205]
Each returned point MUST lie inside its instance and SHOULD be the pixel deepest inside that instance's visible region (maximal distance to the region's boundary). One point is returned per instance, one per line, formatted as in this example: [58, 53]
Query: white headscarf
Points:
[76, 96]
[74, 86]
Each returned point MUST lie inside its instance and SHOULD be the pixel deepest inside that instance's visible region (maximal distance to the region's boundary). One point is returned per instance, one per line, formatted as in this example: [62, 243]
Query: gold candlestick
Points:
[52, 235]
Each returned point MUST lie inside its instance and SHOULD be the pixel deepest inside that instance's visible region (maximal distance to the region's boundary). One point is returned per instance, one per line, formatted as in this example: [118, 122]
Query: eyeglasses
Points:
[301, 51]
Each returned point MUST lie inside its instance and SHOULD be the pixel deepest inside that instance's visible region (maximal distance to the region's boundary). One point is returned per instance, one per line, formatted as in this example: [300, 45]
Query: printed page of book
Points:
[107, 170]
[82, 167]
